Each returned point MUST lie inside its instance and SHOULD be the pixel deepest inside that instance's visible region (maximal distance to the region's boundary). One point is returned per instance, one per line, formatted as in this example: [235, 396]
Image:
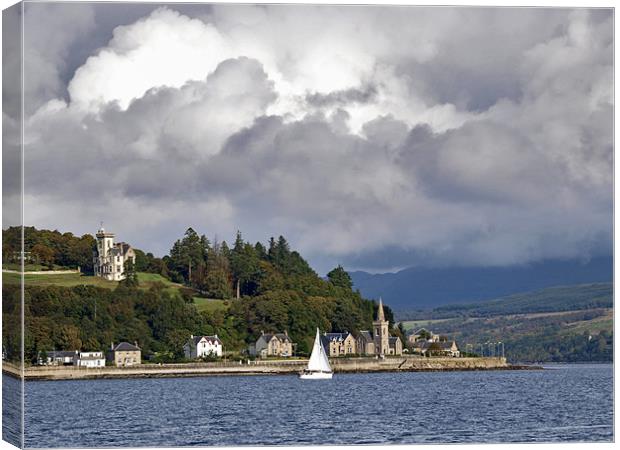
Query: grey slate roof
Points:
[214, 338]
[392, 340]
[126, 347]
[61, 354]
[336, 336]
[365, 335]
[281, 336]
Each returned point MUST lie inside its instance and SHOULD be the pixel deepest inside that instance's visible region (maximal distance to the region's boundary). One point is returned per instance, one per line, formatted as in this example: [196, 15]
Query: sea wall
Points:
[269, 367]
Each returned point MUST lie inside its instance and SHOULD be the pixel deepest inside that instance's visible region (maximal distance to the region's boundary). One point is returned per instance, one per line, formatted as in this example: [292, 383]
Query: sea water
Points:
[563, 403]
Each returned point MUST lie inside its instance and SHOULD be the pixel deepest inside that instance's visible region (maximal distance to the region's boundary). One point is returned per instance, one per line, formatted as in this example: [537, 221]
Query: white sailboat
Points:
[318, 365]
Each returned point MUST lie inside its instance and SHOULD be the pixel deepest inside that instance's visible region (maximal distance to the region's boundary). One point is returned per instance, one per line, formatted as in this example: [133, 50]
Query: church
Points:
[109, 259]
[379, 342]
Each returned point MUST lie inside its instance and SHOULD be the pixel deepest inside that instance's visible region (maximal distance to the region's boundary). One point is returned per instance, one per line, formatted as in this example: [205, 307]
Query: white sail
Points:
[318, 359]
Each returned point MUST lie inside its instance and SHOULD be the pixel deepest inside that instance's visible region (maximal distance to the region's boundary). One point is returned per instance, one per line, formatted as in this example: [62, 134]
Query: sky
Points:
[369, 136]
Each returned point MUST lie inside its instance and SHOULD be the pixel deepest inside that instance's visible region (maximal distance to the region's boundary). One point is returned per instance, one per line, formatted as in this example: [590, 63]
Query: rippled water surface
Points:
[566, 403]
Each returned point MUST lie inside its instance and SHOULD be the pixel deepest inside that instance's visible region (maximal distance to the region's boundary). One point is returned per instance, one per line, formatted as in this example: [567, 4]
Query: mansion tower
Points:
[109, 259]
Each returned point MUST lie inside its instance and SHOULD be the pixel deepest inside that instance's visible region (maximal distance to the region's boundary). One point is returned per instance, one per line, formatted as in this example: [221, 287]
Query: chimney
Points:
[135, 343]
[112, 345]
[191, 336]
[285, 333]
[262, 332]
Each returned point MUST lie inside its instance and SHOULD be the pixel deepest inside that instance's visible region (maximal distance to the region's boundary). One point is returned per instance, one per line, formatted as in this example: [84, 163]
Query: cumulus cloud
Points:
[374, 137]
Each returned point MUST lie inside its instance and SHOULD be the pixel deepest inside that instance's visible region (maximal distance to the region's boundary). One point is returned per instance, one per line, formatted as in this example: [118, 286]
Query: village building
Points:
[379, 342]
[110, 258]
[203, 346]
[60, 358]
[277, 344]
[339, 344]
[425, 335]
[436, 348]
[125, 354]
[90, 359]
[365, 343]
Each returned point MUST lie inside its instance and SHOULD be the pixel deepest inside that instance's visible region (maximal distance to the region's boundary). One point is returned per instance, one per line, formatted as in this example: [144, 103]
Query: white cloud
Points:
[445, 134]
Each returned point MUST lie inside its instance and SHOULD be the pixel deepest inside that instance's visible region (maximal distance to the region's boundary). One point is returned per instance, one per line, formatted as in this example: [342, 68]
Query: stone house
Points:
[202, 346]
[339, 344]
[109, 258]
[125, 354]
[272, 344]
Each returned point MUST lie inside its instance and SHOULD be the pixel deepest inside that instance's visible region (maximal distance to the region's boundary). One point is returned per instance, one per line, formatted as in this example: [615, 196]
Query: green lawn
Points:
[71, 279]
[146, 280]
[210, 304]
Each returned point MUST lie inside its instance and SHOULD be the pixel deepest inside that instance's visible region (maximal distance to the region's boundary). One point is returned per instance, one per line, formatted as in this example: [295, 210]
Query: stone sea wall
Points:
[269, 367]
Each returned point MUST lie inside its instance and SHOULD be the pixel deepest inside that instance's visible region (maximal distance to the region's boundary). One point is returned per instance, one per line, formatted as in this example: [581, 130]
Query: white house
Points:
[201, 346]
[90, 359]
[109, 260]
[61, 358]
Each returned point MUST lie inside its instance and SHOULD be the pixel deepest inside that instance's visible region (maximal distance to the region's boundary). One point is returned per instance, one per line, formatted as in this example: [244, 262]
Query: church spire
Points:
[380, 314]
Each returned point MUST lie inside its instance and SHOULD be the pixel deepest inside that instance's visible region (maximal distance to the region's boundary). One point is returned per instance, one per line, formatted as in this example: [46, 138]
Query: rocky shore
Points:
[267, 367]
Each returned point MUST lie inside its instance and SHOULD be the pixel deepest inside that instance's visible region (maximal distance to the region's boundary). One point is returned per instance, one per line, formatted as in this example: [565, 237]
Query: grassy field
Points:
[67, 280]
[146, 280]
[210, 304]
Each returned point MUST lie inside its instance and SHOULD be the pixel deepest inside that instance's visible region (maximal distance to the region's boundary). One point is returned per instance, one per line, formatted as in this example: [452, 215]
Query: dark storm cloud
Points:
[417, 136]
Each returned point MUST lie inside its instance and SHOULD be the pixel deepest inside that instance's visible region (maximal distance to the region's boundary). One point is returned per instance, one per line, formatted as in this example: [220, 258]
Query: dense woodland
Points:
[270, 288]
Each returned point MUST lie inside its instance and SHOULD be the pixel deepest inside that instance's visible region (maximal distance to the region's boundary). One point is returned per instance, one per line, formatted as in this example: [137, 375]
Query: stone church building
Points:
[379, 341]
[109, 259]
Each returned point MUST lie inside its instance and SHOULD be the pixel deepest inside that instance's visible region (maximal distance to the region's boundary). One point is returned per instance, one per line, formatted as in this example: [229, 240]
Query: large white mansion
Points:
[109, 260]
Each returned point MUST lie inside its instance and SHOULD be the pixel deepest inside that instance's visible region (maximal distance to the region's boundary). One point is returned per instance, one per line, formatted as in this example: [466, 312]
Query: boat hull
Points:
[316, 375]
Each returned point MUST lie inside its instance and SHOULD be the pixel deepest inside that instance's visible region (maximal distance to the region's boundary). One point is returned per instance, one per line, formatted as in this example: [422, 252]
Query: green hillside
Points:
[554, 299]
[561, 324]
[201, 287]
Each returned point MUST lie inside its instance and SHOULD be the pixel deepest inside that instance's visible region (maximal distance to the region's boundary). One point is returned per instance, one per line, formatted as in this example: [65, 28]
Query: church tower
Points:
[382, 337]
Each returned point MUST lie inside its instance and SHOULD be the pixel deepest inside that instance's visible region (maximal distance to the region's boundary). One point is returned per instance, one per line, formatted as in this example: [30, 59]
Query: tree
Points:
[340, 278]
[245, 266]
[130, 274]
[43, 254]
[187, 254]
[217, 281]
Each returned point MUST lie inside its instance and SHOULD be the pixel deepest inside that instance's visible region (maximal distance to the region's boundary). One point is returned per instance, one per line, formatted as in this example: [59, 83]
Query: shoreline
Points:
[268, 367]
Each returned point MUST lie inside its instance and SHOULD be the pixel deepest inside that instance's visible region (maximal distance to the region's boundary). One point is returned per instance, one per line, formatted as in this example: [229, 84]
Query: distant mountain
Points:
[425, 288]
